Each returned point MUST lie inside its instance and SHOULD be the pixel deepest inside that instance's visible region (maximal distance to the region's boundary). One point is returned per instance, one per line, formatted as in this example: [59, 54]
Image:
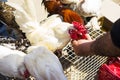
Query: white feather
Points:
[89, 7]
[93, 23]
[11, 62]
[69, 1]
[50, 32]
[44, 65]
[85, 8]
[29, 9]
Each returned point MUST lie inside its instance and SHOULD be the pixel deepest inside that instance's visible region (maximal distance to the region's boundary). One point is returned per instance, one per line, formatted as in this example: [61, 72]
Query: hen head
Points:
[78, 32]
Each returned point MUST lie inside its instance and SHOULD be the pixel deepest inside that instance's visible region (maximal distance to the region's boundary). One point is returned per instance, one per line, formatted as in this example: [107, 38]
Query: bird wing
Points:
[28, 11]
[44, 65]
[10, 60]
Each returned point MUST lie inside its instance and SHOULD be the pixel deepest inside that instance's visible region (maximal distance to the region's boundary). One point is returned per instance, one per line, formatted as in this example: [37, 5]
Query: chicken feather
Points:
[39, 31]
[29, 10]
[85, 8]
[54, 7]
[89, 7]
[12, 63]
[44, 65]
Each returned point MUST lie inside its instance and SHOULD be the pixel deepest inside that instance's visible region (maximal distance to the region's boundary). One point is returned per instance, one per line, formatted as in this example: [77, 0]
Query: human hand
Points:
[82, 47]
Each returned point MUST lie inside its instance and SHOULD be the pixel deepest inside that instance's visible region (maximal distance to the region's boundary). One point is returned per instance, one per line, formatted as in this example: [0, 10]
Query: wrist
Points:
[89, 49]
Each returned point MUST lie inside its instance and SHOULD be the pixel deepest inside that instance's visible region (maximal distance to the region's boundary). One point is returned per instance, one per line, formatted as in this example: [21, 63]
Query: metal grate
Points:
[79, 67]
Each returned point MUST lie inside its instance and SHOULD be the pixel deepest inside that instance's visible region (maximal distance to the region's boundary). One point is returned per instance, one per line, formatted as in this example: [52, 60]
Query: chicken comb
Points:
[79, 31]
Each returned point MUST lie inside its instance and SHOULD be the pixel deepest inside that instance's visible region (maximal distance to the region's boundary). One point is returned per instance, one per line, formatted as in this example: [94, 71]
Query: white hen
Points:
[50, 32]
[11, 63]
[86, 8]
[44, 65]
[89, 7]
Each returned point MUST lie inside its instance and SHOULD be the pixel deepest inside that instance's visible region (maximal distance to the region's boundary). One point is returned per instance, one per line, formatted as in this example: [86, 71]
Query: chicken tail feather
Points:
[28, 11]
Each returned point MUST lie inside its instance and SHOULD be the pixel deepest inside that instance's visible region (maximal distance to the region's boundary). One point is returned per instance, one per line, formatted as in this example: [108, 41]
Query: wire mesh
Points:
[79, 67]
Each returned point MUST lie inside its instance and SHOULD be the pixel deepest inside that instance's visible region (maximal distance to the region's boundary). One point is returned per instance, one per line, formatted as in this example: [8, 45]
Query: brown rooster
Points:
[56, 7]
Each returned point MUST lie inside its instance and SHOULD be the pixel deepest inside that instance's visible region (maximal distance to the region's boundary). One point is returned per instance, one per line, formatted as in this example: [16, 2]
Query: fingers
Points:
[74, 42]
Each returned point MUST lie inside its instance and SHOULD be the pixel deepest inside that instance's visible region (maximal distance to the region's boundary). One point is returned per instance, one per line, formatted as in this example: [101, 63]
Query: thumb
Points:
[74, 42]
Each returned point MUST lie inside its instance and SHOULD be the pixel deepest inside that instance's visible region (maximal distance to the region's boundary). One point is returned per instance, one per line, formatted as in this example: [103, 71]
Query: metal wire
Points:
[79, 67]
